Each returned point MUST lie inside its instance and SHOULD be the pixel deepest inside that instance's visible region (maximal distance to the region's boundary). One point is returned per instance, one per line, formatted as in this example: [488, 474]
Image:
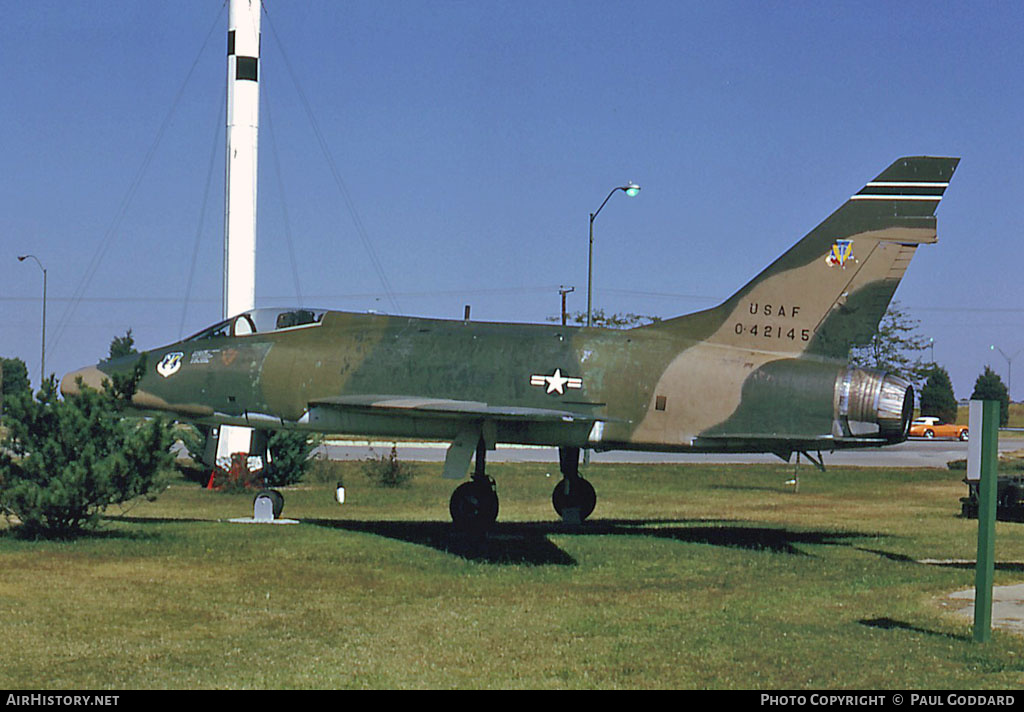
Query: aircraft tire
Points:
[575, 492]
[474, 505]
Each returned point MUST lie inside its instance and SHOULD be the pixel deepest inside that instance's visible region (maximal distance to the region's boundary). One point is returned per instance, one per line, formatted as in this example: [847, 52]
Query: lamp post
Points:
[630, 189]
[42, 359]
[1009, 368]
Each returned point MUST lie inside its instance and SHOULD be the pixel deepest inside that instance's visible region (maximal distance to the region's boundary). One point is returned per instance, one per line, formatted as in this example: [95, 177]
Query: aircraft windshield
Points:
[261, 321]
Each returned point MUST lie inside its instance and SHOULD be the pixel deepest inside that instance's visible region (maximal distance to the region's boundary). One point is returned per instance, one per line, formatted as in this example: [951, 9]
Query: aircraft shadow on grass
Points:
[892, 624]
[1014, 566]
[530, 542]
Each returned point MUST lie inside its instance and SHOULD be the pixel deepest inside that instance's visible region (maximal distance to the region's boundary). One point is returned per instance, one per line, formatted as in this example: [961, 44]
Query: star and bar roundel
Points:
[556, 382]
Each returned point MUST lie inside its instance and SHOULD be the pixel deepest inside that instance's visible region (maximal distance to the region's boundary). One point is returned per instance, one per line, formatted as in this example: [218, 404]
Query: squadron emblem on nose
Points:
[170, 364]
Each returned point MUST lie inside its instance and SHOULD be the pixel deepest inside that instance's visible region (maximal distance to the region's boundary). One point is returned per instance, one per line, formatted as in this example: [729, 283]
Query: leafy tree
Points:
[14, 374]
[63, 462]
[937, 396]
[895, 348]
[122, 346]
[625, 320]
[990, 386]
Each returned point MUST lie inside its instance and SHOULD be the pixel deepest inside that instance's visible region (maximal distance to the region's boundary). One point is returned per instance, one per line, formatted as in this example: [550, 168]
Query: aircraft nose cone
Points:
[90, 375]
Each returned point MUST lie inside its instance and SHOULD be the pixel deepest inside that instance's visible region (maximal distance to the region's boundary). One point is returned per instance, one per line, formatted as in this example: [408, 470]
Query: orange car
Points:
[931, 427]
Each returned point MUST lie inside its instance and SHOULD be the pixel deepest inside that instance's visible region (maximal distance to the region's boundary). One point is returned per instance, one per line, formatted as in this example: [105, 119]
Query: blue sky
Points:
[474, 139]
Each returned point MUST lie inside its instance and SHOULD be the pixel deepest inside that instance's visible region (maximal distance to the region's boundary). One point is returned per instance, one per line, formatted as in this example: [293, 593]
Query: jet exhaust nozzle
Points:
[874, 398]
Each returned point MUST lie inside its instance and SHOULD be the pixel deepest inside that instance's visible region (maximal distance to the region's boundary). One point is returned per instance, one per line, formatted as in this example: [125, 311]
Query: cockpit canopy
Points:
[261, 321]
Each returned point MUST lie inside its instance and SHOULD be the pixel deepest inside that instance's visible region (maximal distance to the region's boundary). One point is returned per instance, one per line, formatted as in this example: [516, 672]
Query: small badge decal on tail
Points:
[840, 254]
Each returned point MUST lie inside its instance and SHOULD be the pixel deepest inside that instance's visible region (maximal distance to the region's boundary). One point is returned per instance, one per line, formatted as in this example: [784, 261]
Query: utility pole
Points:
[42, 358]
[563, 290]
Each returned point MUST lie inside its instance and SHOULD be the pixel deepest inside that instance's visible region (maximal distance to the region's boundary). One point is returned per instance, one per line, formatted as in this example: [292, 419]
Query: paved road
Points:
[913, 453]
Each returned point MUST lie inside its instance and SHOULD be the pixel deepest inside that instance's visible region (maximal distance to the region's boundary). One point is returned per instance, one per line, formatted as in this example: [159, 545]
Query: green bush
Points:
[387, 470]
[289, 457]
[63, 462]
[323, 471]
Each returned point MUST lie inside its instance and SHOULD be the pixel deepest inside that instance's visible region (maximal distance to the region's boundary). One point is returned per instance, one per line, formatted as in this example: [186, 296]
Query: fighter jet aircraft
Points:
[765, 371]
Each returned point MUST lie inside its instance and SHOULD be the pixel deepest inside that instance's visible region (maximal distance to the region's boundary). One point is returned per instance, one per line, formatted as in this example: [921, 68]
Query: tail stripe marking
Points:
[865, 196]
[905, 184]
[895, 190]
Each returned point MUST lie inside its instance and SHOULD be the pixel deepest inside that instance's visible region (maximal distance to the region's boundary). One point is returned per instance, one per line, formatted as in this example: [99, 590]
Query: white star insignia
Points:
[556, 383]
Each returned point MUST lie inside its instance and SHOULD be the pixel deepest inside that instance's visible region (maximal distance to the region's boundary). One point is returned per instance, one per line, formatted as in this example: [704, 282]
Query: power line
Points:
[126, 201]
[275, 160]
[221, 114]
[333, 167]
[325, 297]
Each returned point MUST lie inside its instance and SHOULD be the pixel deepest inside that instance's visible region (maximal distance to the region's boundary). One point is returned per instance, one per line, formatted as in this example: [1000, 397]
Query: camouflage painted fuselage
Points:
[763, 372]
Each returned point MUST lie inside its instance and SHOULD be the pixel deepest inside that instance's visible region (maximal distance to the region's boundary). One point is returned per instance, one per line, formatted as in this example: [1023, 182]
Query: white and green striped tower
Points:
[243, 120]
[242, 139]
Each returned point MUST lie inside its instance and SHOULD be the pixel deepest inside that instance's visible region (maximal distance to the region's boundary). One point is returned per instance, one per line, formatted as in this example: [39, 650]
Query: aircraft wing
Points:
[471, 422]
[399, 405]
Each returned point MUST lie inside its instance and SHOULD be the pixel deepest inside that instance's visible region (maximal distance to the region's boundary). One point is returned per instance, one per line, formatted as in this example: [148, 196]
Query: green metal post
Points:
[985, 569]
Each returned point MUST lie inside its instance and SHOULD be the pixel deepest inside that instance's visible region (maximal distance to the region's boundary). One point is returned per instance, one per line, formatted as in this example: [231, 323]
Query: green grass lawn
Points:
[686, 577]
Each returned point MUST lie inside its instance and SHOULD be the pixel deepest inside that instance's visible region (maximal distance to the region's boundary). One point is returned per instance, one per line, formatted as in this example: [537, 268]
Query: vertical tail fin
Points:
[830, 290]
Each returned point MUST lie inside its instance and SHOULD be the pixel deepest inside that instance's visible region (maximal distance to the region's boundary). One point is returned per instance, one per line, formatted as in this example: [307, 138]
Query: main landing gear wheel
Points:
[574, 493]
[573, 498]
[474, 504]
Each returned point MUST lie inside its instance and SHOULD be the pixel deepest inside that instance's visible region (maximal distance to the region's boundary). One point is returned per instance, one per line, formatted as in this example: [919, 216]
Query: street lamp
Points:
[1009, 368]
[630, 189]
[42, 359]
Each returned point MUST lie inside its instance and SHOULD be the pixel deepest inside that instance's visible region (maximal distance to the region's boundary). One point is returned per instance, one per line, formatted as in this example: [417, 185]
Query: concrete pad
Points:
[1007, 606]
[252, 520]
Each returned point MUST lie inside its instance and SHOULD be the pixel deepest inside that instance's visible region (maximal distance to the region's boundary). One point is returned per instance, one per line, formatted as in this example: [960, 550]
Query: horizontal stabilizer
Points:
[768, 442]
